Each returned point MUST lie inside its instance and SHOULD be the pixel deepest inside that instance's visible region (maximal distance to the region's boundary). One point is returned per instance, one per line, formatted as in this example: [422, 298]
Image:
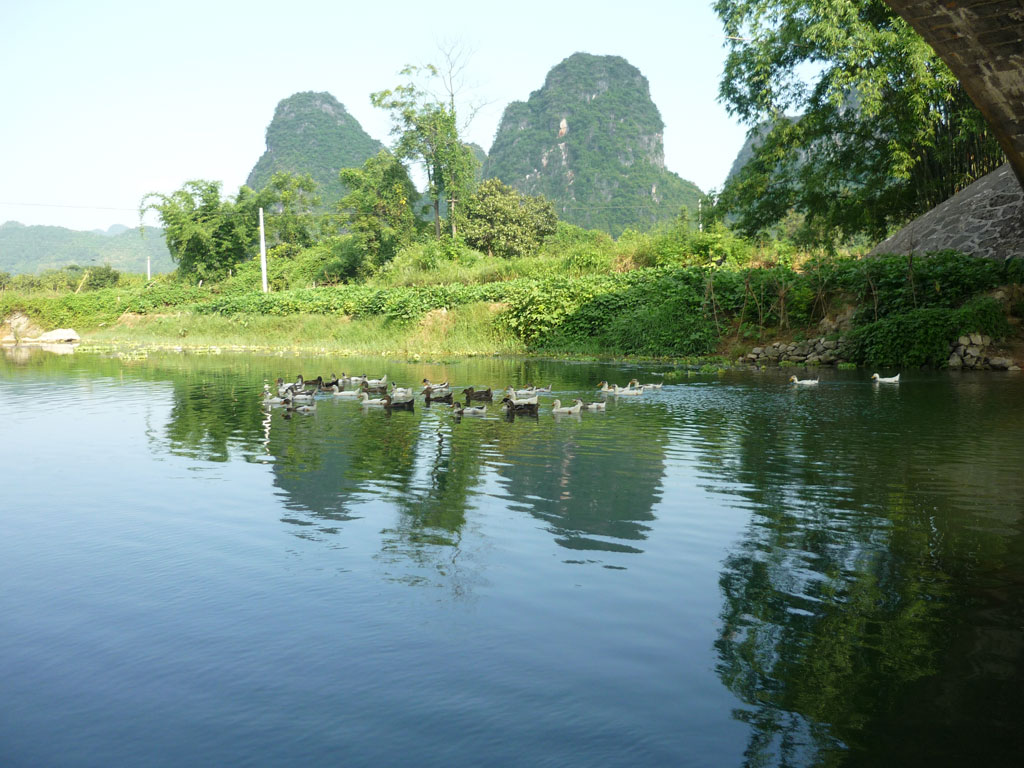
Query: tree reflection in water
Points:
[873, 610]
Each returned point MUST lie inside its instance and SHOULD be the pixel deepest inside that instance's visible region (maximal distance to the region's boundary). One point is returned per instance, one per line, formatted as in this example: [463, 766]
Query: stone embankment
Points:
[820, 351]
[967, 352]
[970, 351]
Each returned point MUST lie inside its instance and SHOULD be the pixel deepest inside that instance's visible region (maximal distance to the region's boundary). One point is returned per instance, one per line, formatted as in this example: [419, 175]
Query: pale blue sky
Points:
[108, 100]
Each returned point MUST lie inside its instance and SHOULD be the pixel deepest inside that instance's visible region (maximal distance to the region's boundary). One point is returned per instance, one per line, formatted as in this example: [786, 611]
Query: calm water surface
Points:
[725, 572]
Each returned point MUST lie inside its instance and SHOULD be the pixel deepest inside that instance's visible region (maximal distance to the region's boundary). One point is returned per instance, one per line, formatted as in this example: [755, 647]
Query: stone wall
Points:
[986, 219]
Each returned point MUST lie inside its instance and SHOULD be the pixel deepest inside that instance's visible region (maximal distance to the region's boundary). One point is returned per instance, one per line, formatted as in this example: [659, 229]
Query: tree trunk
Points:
[437, 218]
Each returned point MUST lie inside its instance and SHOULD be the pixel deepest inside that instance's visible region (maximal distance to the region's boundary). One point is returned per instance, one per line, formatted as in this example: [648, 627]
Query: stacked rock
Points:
[969, 351]
[821, 351]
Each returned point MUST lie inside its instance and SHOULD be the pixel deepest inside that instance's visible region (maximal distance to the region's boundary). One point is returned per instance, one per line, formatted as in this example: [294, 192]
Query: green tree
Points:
[378, 207]
[863, 125]
[427, 132]
[292, 200]
[502, 221]
[205, 234]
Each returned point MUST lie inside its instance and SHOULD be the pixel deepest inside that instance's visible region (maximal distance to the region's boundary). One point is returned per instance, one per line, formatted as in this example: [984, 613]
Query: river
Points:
[726, 571]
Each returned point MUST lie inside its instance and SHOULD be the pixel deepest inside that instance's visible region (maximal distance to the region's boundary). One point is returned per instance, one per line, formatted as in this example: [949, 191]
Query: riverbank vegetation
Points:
[677, 293]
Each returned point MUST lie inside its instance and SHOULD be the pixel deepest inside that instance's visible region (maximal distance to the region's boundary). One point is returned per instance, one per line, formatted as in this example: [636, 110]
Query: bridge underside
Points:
[982, 42]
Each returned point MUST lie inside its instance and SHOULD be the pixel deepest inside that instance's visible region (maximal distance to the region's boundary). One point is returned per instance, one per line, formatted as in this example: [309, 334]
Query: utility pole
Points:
[263, 253]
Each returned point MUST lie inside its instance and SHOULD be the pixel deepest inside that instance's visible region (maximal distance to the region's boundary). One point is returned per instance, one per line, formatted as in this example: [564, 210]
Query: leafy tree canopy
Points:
[503, 222]
[207, 235]
[378, 208]
[882, 130]
[426, 129]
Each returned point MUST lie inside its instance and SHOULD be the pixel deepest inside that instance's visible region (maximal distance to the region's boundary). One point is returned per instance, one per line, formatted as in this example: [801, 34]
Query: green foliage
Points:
[427, 133]
[922, 336]
[505, 223]
[378, 209]
[606, 169]
[313, 134]
[101, 277]
[884, 132]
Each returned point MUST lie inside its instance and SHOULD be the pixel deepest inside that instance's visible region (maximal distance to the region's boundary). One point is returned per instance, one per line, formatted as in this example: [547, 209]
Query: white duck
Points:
[600, 406]
[636, 383]
[366, 400]
[802, 382]
[557, 407]
[885, 380]
[468, 410]
[521, 401]
[269, 398]
[349, 393]
[627, 390]
[603, 386]
[400, 394]
[436, 390]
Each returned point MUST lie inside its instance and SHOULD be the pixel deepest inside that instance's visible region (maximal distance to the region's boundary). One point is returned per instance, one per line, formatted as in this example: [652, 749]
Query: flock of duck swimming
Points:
[300, 396]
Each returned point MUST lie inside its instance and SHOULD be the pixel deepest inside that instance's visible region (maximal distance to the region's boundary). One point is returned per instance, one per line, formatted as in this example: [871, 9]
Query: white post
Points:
[700, 223]
[263, 253]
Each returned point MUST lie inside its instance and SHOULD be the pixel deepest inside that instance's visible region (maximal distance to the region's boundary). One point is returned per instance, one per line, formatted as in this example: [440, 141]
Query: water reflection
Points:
[870, 596]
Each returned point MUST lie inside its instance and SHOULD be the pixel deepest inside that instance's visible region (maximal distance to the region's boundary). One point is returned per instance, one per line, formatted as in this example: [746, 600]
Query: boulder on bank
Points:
[58, 336]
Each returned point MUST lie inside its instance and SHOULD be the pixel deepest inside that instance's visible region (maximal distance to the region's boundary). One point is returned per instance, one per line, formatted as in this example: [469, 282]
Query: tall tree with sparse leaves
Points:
[427, 133]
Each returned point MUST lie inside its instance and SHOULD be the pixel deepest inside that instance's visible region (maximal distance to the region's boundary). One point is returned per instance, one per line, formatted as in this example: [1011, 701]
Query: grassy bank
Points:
[463, 331]
[901, 312]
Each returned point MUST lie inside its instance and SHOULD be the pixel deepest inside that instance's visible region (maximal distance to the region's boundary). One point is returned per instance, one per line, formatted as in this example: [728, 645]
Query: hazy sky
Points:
[108, 100]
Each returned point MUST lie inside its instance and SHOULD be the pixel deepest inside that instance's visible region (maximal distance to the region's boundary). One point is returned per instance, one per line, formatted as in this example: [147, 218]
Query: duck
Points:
[885, 379]
[366, 400]
[465, 409]
[399, 405]
[351, 393]
[802, 382]
[400, 394]
[328, 386]
[431, 396]
[636, 383]
[603, 386]
[284, 389]
[269, 398]
[520, 401]
[596, 406]
[301, 396]
[522, 406]
[381, 382]
[627, 390]
[437, 388]
[557, 407]
[297, 407]
[514, 393]
[373, 390]
[539, 389]
[472, 394]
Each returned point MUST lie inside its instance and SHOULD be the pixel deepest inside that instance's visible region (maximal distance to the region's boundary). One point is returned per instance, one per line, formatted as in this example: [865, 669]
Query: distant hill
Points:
[591, 140]
[313, 133]
[35, 249]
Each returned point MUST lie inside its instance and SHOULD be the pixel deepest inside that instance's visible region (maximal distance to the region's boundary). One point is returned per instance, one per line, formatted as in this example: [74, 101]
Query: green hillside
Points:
[591, 140]
[34, 249]
[313, 133]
